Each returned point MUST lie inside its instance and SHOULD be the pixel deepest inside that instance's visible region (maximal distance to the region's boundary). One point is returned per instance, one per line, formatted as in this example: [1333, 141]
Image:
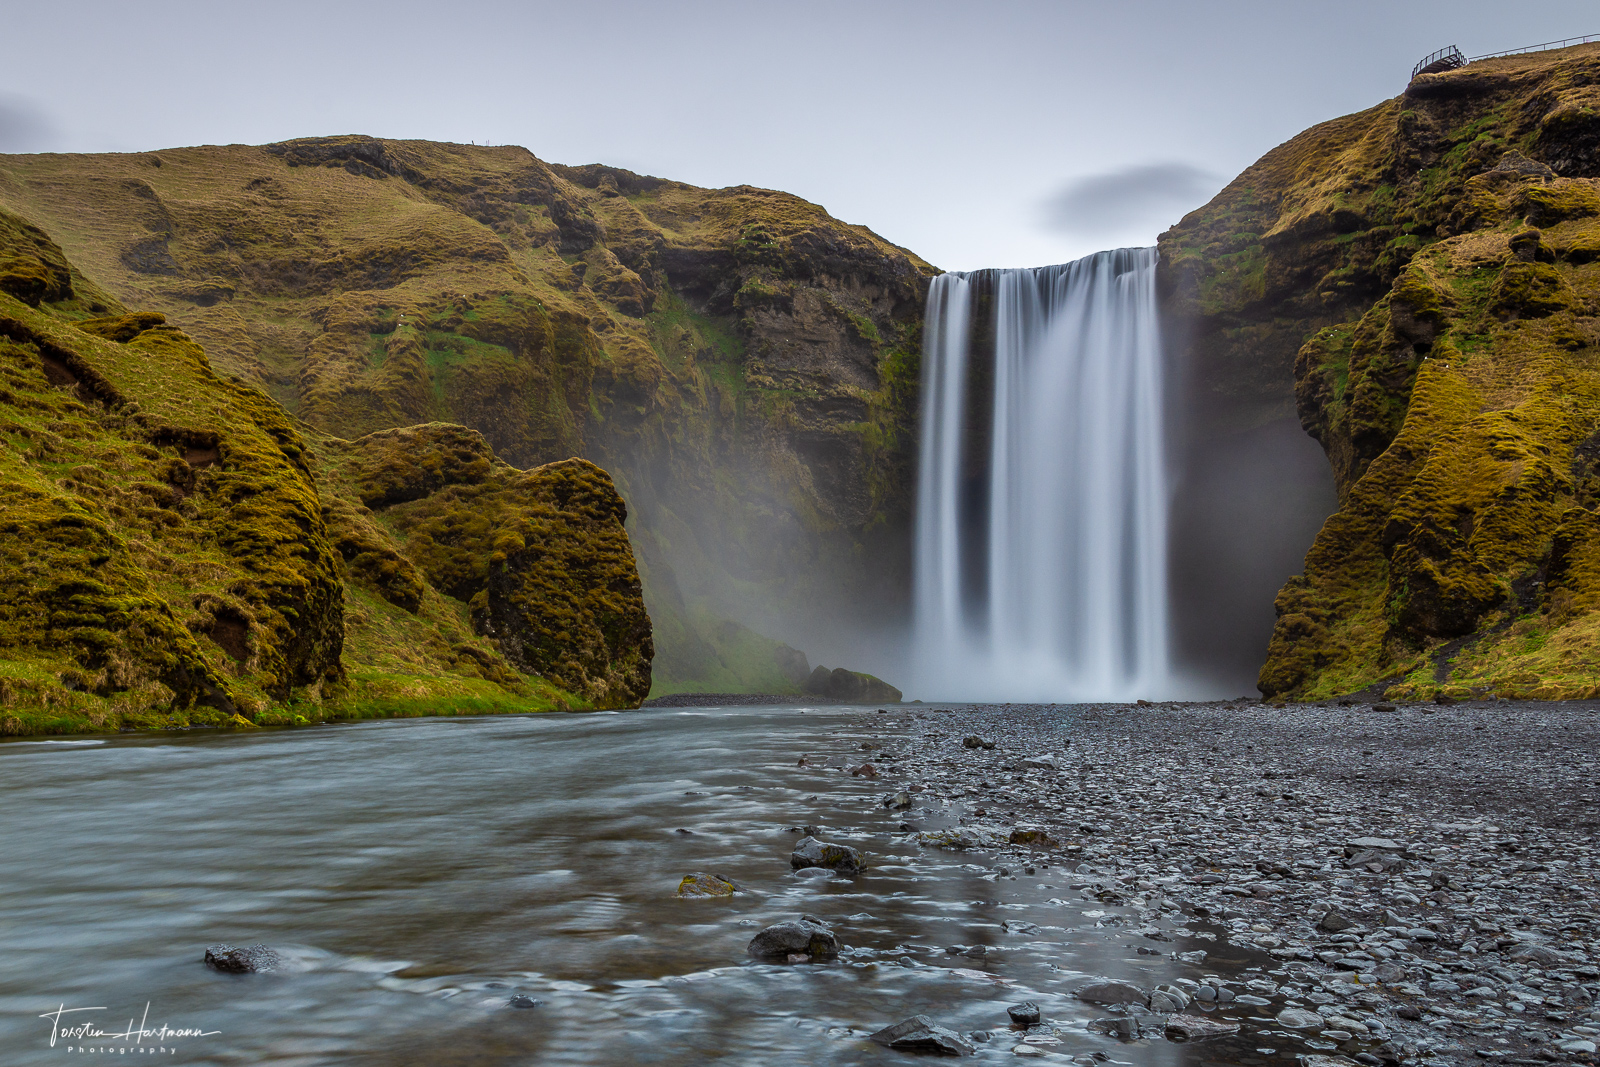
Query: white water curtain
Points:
[1069, 599]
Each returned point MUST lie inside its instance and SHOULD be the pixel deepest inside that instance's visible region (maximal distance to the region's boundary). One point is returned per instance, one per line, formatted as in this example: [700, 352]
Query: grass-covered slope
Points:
[743, 363]
[175, 550]
[1433, 266]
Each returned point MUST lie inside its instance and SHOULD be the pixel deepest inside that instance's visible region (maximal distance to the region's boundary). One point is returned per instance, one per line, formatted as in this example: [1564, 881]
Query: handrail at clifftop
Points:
[1568, 43]
[1444, 59]
[1451, 58]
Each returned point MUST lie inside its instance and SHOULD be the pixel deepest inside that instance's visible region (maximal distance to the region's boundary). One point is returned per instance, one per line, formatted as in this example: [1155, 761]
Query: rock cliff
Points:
[175, 549]
[1423, 280]
[744, 365]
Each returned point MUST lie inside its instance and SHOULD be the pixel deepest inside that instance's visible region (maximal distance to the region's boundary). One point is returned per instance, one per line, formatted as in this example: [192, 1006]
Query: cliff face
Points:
[174, 550]
[1424, 274]
[743, 364]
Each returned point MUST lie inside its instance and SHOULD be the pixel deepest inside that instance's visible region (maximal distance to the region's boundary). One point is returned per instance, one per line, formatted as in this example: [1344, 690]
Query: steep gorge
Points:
[1426, 276]
[744, 365]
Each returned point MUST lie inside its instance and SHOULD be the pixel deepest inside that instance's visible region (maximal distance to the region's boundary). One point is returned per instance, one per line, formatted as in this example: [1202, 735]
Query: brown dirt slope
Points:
[742, 363]
[1430, 269]
[175, 550]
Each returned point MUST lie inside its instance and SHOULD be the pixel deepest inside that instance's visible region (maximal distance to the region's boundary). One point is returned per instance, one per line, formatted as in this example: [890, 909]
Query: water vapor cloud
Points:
[1130, 197]
[24, 127]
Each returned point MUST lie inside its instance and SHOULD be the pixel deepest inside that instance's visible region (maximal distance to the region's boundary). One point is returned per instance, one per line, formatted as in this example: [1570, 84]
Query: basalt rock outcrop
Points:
[176, 549]
[1425, 276]
[744, 365]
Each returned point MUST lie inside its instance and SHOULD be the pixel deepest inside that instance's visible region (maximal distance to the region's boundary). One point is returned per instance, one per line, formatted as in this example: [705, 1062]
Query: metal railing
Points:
[1547, 46]
[1451, 58]
[1444, 59]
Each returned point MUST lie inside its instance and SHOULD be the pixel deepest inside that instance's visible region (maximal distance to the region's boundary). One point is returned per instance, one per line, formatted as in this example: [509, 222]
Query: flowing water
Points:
[418, 874]
[1041, 529]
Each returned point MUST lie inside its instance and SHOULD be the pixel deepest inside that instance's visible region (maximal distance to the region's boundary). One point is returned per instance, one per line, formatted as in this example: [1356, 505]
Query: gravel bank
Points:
[1420, 883]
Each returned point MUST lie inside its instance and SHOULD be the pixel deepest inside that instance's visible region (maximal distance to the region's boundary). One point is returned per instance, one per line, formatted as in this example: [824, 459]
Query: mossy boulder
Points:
[540, 558]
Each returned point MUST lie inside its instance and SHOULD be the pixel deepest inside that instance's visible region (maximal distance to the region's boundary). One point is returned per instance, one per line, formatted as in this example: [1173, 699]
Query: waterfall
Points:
[1040, 552]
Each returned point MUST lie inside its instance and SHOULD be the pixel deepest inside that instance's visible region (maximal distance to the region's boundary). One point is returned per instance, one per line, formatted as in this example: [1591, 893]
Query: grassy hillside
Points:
[176, 550]
[1430, 270]
[741, 362]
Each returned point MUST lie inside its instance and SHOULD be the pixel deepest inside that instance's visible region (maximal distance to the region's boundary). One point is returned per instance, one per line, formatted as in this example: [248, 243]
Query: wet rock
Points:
[897, 801]
[807, 937]
[1033, 838]
[1113, 993]
[1040, 763]
[813, 853]
[1371, 844]
[974, 741]
[252, 959]
[1167, 999]
[1333, 921]
[1024, 1014]
[706, 885]
[521, 1001]
[1317, 1060]
[1299, 1019]
[959, 838]
[921, 1034]
[1019, 926]
[866, 770]
[1197, 1028]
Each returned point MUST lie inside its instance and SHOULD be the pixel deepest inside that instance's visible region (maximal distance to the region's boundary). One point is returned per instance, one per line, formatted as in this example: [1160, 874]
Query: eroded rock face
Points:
[540, 557]
[744, 364]
[1419, 273]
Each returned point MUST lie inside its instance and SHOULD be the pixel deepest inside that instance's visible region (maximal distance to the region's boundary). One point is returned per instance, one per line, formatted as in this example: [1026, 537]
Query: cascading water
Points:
[1040, 568]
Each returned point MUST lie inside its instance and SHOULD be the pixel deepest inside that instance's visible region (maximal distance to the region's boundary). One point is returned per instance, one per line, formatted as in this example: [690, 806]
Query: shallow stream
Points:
[419, 874]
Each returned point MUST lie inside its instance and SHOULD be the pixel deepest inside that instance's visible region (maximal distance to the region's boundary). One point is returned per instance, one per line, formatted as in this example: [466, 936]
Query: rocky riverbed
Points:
[1413, 883]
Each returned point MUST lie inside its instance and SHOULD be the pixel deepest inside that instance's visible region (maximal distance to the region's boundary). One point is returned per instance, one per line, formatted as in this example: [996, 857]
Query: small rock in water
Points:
[1032, 838]
[974, 741]
[706, 885]
[807, 937]
[897, 801]
[1197, 1028]
[1039, 763]
[521, 1001]
[253, 959]
[813, 853]
[1112, 993]
[866, 770]
[1299, 1019]
[921, 1034]
[1024, 1014]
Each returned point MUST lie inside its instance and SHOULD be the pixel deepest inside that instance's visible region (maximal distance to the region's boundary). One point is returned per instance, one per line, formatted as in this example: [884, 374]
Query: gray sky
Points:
[976, 134]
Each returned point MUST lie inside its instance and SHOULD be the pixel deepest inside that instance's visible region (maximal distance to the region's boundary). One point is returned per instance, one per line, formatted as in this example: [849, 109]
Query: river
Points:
[418, 874]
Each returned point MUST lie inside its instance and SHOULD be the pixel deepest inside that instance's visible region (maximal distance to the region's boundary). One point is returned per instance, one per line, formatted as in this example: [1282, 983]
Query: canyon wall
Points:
[742, 364]
[1421, 281]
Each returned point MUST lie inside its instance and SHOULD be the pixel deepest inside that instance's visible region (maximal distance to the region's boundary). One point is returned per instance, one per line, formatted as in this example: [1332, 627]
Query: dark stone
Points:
[521, 1001]
[807, 936]
[813, 853]
[921, 1034]
[253, 959]
[1024, 1014]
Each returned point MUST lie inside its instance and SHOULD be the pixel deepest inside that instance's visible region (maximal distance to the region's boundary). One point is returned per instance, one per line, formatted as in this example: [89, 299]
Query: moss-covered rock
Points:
[175, 550]
[1448, 367]
[540, 557]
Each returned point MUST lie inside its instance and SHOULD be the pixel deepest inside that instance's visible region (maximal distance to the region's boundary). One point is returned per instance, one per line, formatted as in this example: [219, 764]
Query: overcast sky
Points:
[976, 134]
